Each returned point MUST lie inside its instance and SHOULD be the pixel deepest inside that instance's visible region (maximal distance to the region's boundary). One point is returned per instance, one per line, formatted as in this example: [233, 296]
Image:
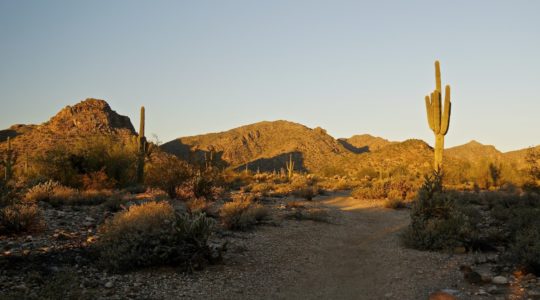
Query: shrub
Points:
[526, 248]
[153, 234]
[20, 217]
[242, 213]
[41, 191]
[304, 187]
[263, 188]
[57, 194]
[71, 161]
[167, 173]
[308, 192]
[377, 190]
[97, 181]
[437, 221]
[197, 205]
[394, 203]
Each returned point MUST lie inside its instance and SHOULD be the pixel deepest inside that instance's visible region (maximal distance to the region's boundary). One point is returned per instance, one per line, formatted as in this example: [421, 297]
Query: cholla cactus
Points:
[438, 117]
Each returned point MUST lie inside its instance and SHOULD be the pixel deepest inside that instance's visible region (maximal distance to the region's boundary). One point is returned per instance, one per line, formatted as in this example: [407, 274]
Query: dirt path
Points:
[358, 258]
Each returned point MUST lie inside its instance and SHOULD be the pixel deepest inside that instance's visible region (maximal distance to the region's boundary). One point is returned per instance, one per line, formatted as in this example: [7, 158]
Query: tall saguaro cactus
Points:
[8, 162]
[290, 167]
[141, 140]
[438, 116]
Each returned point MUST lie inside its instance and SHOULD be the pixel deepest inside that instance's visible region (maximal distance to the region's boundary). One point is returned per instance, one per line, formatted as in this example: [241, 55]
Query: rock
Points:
[89, 219]
[440, 295]
[109, 284]
[500, 280]
[460, 250]
[388, 295]
[21, 288]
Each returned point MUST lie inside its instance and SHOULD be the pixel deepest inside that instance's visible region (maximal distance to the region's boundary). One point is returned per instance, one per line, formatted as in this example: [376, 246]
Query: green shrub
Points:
[153, 234]
[242, 213]
[437, 221]
[525, 250]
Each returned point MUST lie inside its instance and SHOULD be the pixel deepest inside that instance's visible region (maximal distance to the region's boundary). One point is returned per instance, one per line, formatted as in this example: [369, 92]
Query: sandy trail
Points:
[360, 257]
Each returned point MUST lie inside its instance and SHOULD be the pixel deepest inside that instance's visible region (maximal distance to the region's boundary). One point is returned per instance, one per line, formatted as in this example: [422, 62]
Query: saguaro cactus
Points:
[8, 162]
[142, 150]
[438, 116]
[290, 167]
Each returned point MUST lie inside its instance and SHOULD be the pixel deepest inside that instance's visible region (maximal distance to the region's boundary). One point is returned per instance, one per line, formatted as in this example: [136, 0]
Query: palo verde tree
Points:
[438, 116]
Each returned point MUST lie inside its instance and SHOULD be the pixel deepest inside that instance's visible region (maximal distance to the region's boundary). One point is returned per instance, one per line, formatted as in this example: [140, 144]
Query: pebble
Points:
[499, 280]
[109, 284]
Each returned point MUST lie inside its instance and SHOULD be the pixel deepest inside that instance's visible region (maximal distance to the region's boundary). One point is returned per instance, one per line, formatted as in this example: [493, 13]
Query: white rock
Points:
[499, 280]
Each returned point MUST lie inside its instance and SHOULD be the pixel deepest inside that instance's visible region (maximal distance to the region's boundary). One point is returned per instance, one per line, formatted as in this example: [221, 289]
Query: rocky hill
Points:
[474, 151]
[91, 117]
[364, 143]
[264, 145]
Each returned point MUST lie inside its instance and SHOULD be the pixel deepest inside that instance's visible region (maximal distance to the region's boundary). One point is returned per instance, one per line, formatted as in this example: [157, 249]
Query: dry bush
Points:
[395, 203]
[152, 234]
[304, 187]
[57, 194]
[197, 205]
[20, 217]
[370, 192]
[264, 189]
[97, 181]
[242, 213]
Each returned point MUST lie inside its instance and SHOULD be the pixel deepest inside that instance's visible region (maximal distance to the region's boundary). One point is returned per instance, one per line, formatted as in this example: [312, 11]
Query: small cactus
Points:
[141, 139]
[438, 116]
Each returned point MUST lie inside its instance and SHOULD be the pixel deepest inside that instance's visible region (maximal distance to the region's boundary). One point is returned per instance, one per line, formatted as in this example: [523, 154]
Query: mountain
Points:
[474, 151]
[91, 117]
[364, 143]
[413, 157]
[264, 145]
[518, 157]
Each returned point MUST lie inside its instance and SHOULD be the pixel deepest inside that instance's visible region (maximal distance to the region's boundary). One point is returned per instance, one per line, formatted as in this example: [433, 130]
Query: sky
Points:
[350, 67]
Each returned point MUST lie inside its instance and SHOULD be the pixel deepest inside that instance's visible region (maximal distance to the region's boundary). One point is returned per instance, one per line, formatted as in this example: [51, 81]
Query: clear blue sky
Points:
[347, 66]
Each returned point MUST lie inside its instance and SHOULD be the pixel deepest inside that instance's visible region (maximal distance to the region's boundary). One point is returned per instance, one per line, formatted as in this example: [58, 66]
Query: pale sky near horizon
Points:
[350, 67]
